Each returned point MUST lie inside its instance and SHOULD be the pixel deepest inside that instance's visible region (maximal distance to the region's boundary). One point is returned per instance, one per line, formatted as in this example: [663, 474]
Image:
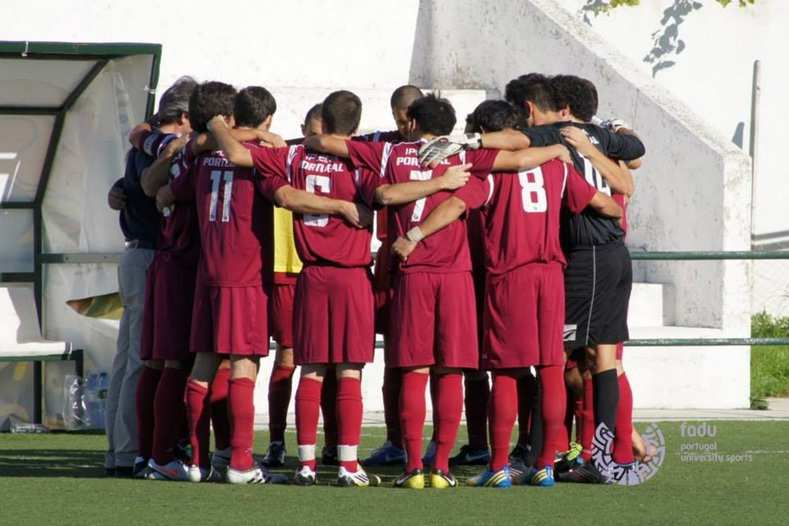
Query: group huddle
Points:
[502, 254]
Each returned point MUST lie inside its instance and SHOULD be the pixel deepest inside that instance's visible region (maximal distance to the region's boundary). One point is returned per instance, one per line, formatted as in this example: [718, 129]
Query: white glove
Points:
[440, 148]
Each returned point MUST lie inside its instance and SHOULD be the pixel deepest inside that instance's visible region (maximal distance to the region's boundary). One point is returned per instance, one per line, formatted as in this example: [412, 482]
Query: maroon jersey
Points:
[323, 239]
[523, 214]
[621, 200]
[234, 218]
[179, 239]
[446, 250]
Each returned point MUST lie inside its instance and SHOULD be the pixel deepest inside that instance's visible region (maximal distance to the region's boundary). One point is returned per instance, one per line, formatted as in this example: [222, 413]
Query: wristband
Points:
[415, 235]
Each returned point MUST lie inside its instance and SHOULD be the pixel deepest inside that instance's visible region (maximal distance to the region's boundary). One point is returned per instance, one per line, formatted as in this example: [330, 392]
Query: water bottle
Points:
[102, 388]
[92, 400]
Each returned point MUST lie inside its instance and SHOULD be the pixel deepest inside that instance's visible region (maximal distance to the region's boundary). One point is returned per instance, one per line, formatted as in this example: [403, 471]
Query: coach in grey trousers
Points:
[140, 222]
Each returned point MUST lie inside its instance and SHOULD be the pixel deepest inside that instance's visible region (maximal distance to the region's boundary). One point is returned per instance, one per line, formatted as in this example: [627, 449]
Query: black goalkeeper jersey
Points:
[589, 228]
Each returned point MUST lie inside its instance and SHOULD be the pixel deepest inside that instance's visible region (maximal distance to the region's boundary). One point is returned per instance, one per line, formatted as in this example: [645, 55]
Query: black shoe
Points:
[124, 472]
[470, 457]
[275, 456]
[585, 473]
[520, 452]
[329, 456]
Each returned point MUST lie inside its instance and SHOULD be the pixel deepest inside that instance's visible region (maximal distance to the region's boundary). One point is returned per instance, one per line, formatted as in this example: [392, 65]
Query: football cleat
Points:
[585, 473]
[386, 455]
[140, 469]
[413, 479]
[470, 457]
[305, 477]
[520, 452]
[275, 456]
[198, 474]
[329, 456]
[359, 478]
[220, 460]
[441, 480]
[430, 454]
[174, 470]
[520, 473]
[257, 475]
[492, 479]
[569, 459]
[543, 478]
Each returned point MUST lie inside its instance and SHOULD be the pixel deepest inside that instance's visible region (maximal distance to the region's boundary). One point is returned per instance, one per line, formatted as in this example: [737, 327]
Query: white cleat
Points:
[359, 479]
[175, 470]
[256, 475]
[305, 477]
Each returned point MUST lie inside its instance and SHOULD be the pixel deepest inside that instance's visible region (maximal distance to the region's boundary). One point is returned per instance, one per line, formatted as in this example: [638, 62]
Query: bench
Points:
[21, 340]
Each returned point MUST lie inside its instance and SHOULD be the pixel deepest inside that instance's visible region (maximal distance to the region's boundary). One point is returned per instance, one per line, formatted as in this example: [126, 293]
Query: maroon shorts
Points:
[282, 297]
[524, 317]
[434, 321]
[333, 316]
[230, 320]
[167, 314]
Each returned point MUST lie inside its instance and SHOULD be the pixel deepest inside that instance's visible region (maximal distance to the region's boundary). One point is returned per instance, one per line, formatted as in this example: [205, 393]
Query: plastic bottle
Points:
[91, 400]
[103, 387]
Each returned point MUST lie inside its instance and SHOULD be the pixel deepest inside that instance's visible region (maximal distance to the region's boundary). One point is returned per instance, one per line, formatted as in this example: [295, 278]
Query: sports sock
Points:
[240, 400]
[329, 409]
[476, 401]
[199, 413]
[553, 404]
[449, 406]
[587, 428]
[536, 435]
[393, 379]
[527, 394]
[412, 416]
[349, 421]
[220, 415]
[623, 438]
[503, 410]
[433, 403]
[606, 398]
[279, 389]
[308, 402]
[169, 410]
[146, 394]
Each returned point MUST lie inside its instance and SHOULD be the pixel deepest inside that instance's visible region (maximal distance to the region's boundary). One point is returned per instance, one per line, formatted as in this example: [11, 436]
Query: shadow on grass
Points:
[49, 463]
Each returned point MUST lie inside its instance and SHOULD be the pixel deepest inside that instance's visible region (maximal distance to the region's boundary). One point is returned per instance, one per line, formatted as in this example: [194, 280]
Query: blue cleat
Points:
[386, 455]
[543, 478]
[471, 457]
[492, 479]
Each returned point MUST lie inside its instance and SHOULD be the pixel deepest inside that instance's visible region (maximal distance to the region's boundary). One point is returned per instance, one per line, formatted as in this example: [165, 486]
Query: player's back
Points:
[179, 238]
[329, 239]
[234, 221]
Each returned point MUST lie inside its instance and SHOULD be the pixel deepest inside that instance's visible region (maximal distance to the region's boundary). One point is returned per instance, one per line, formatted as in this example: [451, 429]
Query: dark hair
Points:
[532, 87]
[175, 101]
[253, 105]
[313, 113]
[209, 99]
[491, 116]
[403, 96]
[341, 112]
[575, 93]
[433, 115]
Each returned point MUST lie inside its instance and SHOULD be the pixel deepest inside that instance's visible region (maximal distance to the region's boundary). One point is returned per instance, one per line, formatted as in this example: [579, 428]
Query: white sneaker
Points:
[175, 470]
[198, 474]
[256, 475]
[305, 477]
[359, 479]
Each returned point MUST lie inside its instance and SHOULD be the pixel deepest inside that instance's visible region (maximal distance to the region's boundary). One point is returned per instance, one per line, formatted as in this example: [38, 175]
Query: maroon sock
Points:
[199, 412]
[449, 405]
[146, 394]
[412, 416]
[433, 403]
[553, 404]
[170, 410]
[503, 409]
[349, 421]
[220, 415]
[393, 379]
[587, 428]
[308, 403]
[623, 439]
[476, 399]
[241, 401]
[329, 409]
[527, 391]
[279, 389]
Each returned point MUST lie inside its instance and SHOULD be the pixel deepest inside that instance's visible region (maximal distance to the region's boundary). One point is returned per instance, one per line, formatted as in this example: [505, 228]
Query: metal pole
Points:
[753, 150]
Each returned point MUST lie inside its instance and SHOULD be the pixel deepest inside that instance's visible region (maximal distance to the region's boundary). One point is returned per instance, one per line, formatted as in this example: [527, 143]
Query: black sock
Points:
[606, 398]
[535, 428]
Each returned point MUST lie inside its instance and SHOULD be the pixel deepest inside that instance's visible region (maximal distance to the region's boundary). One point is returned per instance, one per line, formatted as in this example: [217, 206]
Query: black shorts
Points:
[597, 284]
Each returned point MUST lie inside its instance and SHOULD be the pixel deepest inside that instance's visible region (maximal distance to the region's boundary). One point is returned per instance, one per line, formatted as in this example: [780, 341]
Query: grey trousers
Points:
[121, 415]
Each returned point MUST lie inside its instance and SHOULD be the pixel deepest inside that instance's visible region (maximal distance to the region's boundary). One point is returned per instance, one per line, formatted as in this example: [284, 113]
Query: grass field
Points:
[57, 478]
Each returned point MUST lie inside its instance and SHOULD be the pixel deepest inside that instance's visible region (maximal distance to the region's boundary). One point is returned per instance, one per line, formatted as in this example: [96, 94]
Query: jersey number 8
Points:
[533, 191]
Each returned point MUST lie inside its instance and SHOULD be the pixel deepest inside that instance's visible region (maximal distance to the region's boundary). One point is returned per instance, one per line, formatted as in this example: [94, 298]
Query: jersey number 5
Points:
[227, 194]
[419, 204]
[533, 191]
[323, 183]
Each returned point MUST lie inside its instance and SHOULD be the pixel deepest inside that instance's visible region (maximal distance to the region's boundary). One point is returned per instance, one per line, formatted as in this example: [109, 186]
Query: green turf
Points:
[57, 479]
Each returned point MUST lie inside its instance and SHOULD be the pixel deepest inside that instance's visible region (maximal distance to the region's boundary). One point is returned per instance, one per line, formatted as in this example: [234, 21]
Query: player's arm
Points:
[205, 142]
[401, 193]
[302, 202]
[505, 140]
[138, 133]
[328, 144]
[605, 206]
[441, 217]
[526, 159]
[234, 151]
[620, 181]
[116, 197]
[158, 174]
